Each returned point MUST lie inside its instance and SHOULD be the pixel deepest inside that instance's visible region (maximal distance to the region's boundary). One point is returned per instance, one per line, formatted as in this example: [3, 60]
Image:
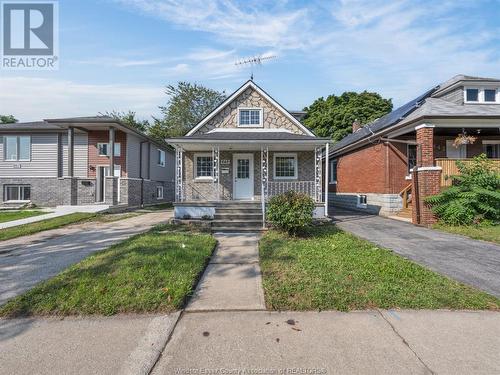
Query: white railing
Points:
[280, 187]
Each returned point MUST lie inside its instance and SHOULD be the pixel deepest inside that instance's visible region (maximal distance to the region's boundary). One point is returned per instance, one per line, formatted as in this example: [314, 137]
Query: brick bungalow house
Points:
[388, 166]
[83, 161]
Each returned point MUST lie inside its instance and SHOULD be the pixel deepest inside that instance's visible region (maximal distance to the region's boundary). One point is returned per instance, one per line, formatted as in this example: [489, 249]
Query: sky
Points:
[120, 54]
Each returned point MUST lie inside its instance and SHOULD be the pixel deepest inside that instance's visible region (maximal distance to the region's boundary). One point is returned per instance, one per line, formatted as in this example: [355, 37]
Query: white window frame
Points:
[118, 147]
[490, 142]
[19, 187]
[17, 147]
[160, 154]
[159, 189]
[481, 96]
[286, 154]
[358, 199]
[450, 146]
[330, 175]
[195, 167]
[261, 117]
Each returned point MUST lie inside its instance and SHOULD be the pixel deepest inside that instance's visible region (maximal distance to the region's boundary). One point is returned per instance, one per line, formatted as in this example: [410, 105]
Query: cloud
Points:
[32, 99]
[120, 62]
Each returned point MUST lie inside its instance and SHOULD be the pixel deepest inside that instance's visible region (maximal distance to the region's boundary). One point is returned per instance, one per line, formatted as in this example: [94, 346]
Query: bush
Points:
[290, 211]
[474, 196]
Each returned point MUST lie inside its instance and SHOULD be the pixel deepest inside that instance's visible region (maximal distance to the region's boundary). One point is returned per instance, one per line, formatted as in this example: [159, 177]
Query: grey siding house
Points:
[82, 161]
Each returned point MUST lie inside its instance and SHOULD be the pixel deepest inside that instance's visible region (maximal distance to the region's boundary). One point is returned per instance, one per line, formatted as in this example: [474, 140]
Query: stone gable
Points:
[228, 116]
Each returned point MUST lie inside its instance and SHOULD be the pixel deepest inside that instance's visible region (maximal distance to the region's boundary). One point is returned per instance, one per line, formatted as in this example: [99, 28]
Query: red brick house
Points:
[388, 166]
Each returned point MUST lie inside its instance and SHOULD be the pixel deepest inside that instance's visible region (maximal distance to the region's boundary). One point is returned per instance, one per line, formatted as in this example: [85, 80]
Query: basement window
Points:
[361, 201]
[17, 193]
[159, 192]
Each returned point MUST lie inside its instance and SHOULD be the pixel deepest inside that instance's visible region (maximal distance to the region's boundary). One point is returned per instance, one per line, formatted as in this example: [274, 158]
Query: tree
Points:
[334, 116]
[128, 118]
[7, 119]
[188, 104]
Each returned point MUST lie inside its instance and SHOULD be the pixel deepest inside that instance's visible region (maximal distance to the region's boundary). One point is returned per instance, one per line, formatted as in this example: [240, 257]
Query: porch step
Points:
[238, 230]
[237, 223]
[237, 215]
[405, 212]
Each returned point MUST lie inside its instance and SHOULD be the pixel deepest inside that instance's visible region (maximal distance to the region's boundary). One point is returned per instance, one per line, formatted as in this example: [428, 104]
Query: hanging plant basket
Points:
[464, 139]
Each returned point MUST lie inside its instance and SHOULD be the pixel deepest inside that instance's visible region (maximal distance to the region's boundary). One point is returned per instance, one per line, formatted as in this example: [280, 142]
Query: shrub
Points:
[290, 211]
[474, 196]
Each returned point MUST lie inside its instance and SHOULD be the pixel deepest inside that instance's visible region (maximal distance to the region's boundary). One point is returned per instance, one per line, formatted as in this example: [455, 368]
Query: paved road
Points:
[26, 261]
[472, 262]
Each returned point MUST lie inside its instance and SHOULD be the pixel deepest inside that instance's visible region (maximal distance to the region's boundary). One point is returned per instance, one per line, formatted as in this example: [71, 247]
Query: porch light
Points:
[464, 139]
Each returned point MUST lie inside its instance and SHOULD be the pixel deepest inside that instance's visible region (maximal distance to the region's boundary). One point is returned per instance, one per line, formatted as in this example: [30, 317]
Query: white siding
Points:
[43, 158]
[81, 155]
[133, 156]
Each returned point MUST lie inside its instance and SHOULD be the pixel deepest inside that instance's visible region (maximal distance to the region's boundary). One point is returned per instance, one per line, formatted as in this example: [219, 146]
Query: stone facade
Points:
[228, 116]
[130, 192]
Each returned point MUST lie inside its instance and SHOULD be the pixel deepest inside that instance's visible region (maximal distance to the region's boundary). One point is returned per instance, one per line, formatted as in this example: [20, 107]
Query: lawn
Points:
[478, 232]
[18, 214]
[151, 272]
[333, 270]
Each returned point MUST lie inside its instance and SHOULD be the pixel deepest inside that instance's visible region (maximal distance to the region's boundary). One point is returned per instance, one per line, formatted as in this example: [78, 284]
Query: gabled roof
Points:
[234, 95]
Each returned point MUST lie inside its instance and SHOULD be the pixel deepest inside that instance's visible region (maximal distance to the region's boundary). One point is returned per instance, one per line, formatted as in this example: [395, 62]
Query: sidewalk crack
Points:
[406, 343]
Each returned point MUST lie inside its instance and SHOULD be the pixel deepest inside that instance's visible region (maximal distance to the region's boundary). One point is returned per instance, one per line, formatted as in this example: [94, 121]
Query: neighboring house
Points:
[245, 151]
[394, 162]
[81, 161]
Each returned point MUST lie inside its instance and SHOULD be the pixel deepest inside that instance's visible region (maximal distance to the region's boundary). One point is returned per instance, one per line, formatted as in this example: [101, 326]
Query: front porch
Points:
[246, 174]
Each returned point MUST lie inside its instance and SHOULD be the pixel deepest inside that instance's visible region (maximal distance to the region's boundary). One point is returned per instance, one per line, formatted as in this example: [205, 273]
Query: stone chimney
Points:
[356, 125]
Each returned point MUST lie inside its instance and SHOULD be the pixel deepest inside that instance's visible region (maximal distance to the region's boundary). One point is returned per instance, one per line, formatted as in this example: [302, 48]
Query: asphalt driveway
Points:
[25, 261]
[476, 263]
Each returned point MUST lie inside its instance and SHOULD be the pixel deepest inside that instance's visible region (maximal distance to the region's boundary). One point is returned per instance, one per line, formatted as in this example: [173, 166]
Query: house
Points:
[245, 151]
[83, 161]
[393, 163]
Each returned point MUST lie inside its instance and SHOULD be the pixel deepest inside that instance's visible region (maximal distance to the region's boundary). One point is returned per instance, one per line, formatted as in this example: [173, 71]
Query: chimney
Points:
[356, 125]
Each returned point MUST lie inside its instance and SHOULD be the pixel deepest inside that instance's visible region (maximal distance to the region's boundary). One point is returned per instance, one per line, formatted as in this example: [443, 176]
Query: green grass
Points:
[18, 214]
[333, 270]
[151, 272]
[39, 226]
[478, 232]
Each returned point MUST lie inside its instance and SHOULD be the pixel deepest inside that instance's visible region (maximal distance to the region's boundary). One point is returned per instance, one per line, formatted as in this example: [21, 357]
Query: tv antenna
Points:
[254, 61]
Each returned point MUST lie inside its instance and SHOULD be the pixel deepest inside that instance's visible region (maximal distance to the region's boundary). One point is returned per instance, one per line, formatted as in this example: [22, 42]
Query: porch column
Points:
[111, 151]
[426, 178]
[71, 151]
[179, 155]
[264, 180]
[318, 160]
[327, 170]
[215, 166]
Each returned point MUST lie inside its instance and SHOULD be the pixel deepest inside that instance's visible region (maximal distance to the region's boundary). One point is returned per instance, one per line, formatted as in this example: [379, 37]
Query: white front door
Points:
[243, 176]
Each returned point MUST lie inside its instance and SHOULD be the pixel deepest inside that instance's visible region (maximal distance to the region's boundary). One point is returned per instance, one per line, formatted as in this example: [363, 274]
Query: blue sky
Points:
[119, 54]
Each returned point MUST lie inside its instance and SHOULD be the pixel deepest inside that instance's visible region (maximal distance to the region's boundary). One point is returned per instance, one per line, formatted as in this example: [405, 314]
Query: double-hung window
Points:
[491, 149]
[203, 166]
[17, 193]
[285, 166]
[104, 149]
[17, 147]
[250, 117]
[161, 158]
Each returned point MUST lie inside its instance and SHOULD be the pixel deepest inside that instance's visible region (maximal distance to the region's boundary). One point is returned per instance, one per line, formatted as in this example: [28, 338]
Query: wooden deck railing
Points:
[449, 167]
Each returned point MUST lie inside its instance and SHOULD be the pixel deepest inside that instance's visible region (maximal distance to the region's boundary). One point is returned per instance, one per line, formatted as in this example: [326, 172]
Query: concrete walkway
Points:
[25, 261]
[476, 263]
[58, 211]
[232, 280]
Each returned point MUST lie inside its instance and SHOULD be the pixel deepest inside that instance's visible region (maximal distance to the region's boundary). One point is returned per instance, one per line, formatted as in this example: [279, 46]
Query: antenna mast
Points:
[253, 61]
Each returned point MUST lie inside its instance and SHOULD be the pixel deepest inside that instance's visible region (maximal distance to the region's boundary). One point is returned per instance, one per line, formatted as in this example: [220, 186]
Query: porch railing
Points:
[280, 187]
[449, 168]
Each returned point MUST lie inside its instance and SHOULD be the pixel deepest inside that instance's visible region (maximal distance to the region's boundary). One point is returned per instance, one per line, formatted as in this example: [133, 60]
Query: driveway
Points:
[476, 263]
[26, 261]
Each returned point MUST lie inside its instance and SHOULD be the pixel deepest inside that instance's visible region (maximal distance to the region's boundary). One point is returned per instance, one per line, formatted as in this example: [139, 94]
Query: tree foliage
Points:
[291, 211]
[474, 196]
[128, 118]
[7, 119]
[188, 104]
[333, 116]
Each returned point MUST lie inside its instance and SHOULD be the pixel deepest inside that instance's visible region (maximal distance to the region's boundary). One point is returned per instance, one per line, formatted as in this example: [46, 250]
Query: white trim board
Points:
[236, 94]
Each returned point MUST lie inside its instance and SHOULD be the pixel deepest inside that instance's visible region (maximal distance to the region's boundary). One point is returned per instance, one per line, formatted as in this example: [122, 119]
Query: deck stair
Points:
[237, 217]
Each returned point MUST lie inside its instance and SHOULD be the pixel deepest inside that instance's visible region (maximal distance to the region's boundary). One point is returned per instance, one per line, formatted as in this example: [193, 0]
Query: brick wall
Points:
[425, 140]
[102, 136]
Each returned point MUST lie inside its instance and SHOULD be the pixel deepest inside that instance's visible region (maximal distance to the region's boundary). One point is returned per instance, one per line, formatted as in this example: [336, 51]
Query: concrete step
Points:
[231, 229]
[236, 216]
[238, 210]
[236, 223]
[238, 205]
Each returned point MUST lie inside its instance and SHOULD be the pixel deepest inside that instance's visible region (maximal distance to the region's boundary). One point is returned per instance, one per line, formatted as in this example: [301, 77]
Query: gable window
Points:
[491, 149]
[490, 95]
[159, 192]
[103, 149]
[17, 148]
[333, 171]
[472, 95]
[203, 166]
[251, 117]
[411, 153]
[161, 158]
[20, 193]
[487, 95]
[285, 166]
